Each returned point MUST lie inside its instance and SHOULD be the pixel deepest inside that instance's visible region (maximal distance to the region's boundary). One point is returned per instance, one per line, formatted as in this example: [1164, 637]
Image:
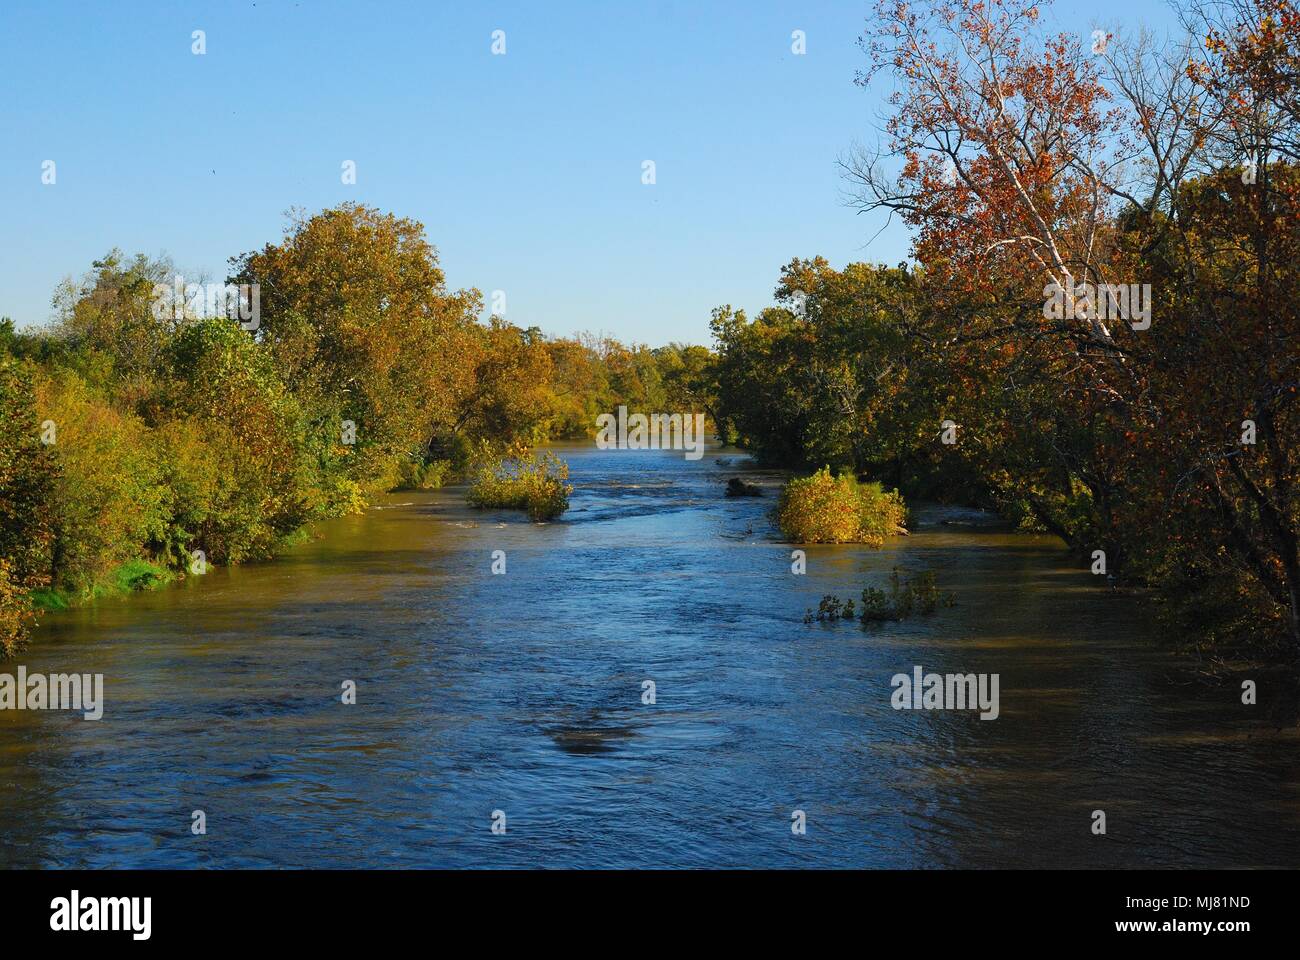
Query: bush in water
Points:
[826, 509]
[520, 480]
[918, 594]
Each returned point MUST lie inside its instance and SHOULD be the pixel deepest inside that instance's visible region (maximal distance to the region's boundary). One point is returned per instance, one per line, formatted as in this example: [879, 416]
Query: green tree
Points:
[356, 312]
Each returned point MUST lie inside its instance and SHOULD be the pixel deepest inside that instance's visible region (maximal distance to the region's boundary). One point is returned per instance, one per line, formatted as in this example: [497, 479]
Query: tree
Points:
[1027, 165]
[511, 399]
[27, 486]
[356, 312]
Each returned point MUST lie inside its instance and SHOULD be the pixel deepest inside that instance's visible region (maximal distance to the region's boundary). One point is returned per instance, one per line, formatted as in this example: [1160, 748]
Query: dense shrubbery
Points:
[28, 473]
[827, 509]
[521, 480]
[421, 475]
[15, 611]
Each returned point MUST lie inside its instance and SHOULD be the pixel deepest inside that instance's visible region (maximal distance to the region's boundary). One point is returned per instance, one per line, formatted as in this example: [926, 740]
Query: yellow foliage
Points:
[826, 509]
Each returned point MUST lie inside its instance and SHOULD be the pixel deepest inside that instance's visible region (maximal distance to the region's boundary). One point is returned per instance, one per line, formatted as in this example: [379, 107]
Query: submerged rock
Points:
[739, 488]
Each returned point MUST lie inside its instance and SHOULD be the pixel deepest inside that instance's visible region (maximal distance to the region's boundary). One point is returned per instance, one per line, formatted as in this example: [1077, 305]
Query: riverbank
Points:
[134, 576]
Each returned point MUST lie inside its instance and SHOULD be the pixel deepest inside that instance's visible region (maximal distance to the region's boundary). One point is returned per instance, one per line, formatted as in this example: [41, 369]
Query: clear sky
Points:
[526, 168]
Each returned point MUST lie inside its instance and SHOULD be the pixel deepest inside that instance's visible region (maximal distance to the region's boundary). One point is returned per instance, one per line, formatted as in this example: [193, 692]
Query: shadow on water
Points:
[524, 693]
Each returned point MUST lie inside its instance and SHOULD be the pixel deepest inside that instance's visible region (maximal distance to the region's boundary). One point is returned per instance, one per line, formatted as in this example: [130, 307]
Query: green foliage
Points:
[8, 336]
[28, 476]
[918, 594]
[829, 376]
[418, 475]
[239, 471]
[107, 321]
[134, 576]
[827, 509]
[48, 598]
[520, 480]
[178, 434]
[108, 499]
[16, 613]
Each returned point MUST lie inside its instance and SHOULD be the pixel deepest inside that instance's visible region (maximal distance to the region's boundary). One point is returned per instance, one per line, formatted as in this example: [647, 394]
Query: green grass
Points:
[133, 576]
[290, 540]
[47, 598]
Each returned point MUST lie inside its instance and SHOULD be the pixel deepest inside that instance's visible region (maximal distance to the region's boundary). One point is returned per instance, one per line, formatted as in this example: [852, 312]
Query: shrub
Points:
[15, 612]
[240, 468]
[28, 473]
[344, 497]
[826, 509]
[519, 480]
[831, 608]
[108, 501]
[917, 594]
[136, 575]
[219, 498]
[419, 475]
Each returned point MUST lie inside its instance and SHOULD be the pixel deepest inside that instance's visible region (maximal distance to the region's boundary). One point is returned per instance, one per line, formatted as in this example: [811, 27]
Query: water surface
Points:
[523, 693]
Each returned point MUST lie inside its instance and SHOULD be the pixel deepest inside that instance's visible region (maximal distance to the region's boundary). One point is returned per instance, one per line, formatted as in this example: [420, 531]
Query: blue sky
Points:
[525, 168]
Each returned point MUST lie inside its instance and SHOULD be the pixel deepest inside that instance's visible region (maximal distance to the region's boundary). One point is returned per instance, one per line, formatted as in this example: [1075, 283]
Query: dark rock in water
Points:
[739, 488]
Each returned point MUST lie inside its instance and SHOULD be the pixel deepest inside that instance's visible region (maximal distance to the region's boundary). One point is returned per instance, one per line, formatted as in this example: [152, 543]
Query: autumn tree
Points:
[1027, 163]
[356, 312]
[511, 398]
[27, 487]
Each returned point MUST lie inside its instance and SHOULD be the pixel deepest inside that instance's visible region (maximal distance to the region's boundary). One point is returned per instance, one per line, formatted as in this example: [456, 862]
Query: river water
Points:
[523, 693]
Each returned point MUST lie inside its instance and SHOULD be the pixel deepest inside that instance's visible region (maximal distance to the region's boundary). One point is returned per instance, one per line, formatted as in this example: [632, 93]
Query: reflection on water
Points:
[523, 693]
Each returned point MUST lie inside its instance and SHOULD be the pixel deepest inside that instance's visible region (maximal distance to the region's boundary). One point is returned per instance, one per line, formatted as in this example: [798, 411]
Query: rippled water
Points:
[522, 693]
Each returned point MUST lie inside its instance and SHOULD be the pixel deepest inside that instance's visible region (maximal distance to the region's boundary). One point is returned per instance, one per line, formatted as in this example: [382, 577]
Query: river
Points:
[523, 693]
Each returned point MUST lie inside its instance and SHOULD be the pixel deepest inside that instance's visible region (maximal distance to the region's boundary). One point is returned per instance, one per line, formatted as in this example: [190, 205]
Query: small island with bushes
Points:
[519, 479]
[827, 509]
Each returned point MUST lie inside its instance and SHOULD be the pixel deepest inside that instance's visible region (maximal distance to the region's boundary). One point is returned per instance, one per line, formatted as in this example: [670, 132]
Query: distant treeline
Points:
[137, 439]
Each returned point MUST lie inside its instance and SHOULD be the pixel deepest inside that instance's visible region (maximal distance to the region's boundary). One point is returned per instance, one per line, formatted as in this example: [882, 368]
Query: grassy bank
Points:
[134, 576]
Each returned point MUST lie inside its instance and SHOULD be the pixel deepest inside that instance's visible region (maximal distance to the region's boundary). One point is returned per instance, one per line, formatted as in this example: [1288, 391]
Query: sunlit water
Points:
[523, 693]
